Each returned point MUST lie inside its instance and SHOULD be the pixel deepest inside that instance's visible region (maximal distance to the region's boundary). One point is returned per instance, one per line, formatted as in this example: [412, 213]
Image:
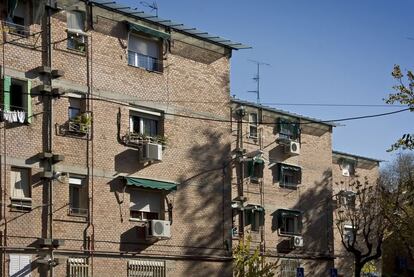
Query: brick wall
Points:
[194, 82]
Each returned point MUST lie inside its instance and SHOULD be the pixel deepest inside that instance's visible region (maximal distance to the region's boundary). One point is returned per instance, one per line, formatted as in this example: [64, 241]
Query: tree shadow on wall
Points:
[203, 205]
[317, 219]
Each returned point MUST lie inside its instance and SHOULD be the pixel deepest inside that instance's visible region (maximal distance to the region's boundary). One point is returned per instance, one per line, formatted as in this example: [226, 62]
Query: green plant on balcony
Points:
[81, 123]
[139, 139]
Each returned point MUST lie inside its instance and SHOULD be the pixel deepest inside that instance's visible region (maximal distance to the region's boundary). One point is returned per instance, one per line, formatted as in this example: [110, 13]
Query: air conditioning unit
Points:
[296, 241]
[159, 229]
[292, 148]
[152, 152]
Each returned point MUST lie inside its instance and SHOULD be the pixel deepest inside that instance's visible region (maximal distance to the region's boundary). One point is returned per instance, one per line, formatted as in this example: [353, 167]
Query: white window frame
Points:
[157, 64]
[76, 34]
[144, 115]
[253, 124]
[23, 263]
[288, 267]
[140, 211]
[141, 268]
[21, 202]
[297, 223]
[348, 233]
[78, 267]
[80, 182]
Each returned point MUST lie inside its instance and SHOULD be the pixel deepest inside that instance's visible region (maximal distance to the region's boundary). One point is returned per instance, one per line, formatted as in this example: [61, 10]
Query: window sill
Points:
[75, 51]
[291, 187]
[289, 235]
[146, 70]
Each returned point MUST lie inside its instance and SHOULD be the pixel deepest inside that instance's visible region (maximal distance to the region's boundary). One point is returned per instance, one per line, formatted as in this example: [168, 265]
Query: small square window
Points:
[143, 124]
[288, 129]
[144, 52]
[145, 205]
[289, 176]
[20, 188]
[254, 216]
[78, 196]
[289, 222]
[76, 25]
[347, 168]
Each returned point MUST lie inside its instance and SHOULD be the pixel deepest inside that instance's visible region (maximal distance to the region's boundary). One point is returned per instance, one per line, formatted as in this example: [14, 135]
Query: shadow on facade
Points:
[208, 205]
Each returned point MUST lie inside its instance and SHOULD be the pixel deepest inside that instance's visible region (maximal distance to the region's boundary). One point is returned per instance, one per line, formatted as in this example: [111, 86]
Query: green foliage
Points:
[247, 264]
[404, 96]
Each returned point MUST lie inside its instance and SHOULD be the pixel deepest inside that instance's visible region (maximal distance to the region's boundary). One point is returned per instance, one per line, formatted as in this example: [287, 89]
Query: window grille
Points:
[146, 268]
[78, 267]
[289, 267]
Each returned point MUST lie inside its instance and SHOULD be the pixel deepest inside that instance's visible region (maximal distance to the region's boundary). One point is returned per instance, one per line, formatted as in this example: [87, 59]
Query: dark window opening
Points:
[288, 129]
[255, 169]
[78, 196]
[290, 222]
[254, 216]
[289, 176]
[17, 96]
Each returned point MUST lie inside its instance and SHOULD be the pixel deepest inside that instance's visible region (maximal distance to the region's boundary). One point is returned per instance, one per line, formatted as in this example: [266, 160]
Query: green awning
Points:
[150, 184]
[148, 31]
[258, 160]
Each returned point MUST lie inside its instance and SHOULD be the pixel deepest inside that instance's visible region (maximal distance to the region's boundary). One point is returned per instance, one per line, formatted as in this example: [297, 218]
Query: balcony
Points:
[80, 124]
[16, 29]
[136, 140]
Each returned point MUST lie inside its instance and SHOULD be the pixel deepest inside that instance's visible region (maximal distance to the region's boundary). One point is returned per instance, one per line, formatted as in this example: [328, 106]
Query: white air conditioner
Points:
[152, 152]
[159, 229]
[296, 241]
[292, 148]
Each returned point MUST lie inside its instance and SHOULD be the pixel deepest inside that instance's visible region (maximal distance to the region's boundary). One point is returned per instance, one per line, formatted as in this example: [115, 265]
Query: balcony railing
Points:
[78, 211]
[144, 61]
[16, 29]
[80, 124]
[137, 140]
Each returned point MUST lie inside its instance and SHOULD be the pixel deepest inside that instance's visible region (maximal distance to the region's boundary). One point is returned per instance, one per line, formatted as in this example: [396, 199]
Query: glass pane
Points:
[131, 58]
[150, 127]
[73, 112]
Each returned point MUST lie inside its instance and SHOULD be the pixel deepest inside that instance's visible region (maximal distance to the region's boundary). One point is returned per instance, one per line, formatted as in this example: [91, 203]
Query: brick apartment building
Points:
[346, 170]
[283, 184]
[284, 181]
[107, 165]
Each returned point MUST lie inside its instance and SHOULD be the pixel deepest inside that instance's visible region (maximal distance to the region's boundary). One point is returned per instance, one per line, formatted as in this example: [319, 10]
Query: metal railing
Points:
[144, 61]
[15, 29]
[78, 211]
[146, 268]
[78, 267]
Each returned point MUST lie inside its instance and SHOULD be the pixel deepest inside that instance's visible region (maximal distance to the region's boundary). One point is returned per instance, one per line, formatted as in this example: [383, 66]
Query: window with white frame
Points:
[144, 52]
[146, 124]
[76, 26]
[78, 267]
[289, 222]
[20, 188]
[20, 265]
[349, 234]
[143, 268]
[289, 267]
[76, 107]
[145, 205]
[78, 196]
[253, 123]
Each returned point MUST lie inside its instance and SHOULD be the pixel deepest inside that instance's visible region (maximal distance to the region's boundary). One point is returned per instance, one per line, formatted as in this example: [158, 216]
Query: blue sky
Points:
[320, 51]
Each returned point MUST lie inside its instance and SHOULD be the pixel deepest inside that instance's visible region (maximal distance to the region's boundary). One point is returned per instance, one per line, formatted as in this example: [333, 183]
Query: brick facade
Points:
[194, 82]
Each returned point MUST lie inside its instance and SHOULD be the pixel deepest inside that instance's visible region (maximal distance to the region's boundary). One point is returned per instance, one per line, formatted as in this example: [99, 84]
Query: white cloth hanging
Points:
[21, 116]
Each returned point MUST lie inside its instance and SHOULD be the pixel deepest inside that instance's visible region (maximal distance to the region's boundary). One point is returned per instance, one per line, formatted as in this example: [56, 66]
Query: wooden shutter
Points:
[6, 93]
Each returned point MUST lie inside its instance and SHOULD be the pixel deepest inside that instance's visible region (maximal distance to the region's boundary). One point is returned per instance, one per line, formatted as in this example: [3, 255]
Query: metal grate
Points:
[78, 267]
[146, 268]
[289, 267]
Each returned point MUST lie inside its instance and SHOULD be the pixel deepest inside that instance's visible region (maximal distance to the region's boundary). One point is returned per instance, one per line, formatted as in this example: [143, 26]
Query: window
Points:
[348, 233]
[17, 18]
[144, 52]
[254, 216]
[17, 101]
[289, 267]
[141, 268]
[78, 196]
[289, 222]
[255, 168]
[347, 167]
[253, 125]
[145, 205]
[144, 124]
[288, 129]
[75, 107]
[20, 188]
[347, 198]
[78, 267]
[76, 26]
[20, 265]
[289, 176]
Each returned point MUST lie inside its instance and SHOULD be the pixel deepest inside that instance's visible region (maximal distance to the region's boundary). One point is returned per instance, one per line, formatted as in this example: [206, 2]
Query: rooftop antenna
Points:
[257, 79]
[153, 6]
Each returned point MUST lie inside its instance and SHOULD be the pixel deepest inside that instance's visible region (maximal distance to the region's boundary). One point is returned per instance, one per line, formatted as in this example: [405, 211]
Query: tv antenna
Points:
[257, 78]
[153, 6]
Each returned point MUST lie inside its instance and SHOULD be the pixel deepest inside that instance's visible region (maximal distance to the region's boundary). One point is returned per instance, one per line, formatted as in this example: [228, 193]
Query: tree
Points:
[360, 222]
[248, 264]
[398, 179]
[404, 96]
